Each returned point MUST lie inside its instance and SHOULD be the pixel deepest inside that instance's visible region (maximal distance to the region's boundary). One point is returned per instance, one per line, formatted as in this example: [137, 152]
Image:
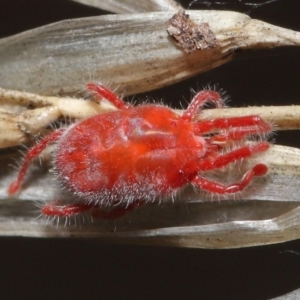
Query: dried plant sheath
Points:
[132, 53]
[21, 123]
[272, 215]
[129, 6]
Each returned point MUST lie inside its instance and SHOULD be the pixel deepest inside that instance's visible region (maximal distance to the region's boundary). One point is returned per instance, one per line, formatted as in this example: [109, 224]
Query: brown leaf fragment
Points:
[191, 36]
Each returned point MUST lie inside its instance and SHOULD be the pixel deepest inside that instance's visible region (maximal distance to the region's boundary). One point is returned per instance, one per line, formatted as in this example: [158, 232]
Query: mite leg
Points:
[31, 154]
[69, 210]
[106, 93]
[199, 101]
[238, 127]
[217, 188]
[223, 160]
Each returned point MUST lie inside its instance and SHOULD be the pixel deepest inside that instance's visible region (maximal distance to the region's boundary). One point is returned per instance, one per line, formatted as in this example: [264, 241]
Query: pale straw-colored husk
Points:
[134, 53]
[268, 212]
[129, 6]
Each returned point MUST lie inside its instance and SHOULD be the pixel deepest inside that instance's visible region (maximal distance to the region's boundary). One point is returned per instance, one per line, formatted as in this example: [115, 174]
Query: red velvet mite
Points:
[138, 154]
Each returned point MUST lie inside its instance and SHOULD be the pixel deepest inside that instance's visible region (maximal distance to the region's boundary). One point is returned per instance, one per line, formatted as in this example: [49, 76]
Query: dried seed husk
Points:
[257, 222]
[130, 53]
[294, 295]
[21, 123]
[129, 6]
[268, 212]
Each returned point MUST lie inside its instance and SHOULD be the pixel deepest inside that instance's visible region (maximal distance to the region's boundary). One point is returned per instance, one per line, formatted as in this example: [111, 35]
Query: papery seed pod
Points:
[270, 216]
[20, 125]
[133, 53]
[129, 6]
[190, 222]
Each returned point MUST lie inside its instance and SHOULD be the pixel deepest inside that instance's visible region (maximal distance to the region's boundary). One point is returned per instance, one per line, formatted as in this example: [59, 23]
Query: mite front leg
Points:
[217, 188]
[31, 154]
[102, 91]
[199, 101]
[237, 127]
[223, 160]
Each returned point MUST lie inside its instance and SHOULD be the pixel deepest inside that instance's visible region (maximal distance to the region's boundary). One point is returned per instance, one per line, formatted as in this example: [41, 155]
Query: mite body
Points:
[122, 159]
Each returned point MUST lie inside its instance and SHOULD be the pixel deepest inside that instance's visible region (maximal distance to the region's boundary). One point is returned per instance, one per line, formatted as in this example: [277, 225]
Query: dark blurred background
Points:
[91, 269]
